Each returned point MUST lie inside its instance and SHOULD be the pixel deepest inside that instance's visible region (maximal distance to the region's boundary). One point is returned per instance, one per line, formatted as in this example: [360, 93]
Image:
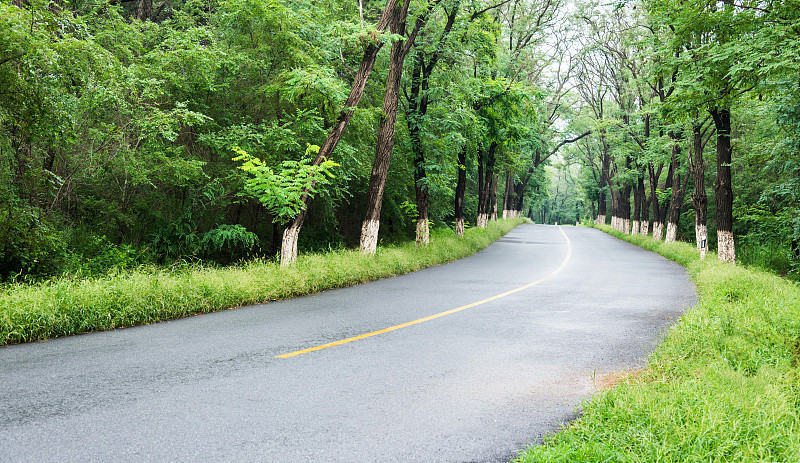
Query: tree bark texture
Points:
[614, 209]
[485, 184]
[508, 196]
[421, 190]
[625, 202]
[723, 197]
[494, 198]
[659, 211]
[386, 129]
[699, 199]
[644, 220]
[604, 182]
[461, 186]
[144, 10]
[637, 208]
[678, 190]
[417, 107]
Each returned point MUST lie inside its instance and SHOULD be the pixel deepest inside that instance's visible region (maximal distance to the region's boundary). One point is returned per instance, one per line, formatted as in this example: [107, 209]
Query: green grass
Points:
[65, 307]
[770, 256]
[724, 386]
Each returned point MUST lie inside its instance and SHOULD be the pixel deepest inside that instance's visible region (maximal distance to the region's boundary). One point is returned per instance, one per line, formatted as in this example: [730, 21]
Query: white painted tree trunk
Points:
[600, 220]
[626, 226]
[635, 227]
[483, 220]
[369, 236]
[423, 232]
[289, 245]
[644, 228]
[658, 230]
[699, 232]
[672, 232]
[460, 227]
[726, 250]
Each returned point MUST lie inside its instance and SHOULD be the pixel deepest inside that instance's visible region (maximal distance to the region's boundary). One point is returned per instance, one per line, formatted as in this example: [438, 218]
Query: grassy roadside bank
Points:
[724, 386]
[66, 307]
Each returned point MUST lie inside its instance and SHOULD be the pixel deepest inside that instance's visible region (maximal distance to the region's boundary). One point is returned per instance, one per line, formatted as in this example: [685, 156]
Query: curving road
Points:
[474, 385]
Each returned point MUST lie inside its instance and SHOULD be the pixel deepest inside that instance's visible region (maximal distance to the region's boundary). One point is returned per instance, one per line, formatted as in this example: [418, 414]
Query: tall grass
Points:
[771, 256]
[724, 386]
[65, 306]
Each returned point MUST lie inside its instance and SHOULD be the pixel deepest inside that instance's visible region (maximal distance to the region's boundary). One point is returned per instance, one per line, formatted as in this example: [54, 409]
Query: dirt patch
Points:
[607, 381]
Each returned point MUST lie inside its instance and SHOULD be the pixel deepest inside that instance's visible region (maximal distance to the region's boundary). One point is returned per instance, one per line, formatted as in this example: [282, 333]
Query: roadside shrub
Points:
[29, 246]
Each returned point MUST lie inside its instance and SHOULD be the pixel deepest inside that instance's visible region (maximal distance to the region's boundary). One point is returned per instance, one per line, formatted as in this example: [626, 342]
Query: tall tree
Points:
[697, 167]
[417, 109]
[705, 39]
[386, 129]
[291, 234]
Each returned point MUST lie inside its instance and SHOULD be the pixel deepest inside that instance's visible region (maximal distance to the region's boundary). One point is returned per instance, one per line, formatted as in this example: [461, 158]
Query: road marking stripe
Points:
[441, 314]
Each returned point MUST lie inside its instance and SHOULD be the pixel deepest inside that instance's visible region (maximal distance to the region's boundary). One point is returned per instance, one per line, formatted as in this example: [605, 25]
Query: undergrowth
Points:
[67, 306]
[724, 386]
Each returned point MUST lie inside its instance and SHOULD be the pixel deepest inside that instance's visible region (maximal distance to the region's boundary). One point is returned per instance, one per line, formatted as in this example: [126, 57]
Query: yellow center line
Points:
[441, 314]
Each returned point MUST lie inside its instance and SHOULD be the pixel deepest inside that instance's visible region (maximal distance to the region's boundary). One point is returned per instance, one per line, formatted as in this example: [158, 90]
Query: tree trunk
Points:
[723, 197]
[625, 202]
[614, 209]
[518, 200]
[637, 208]
[421, 190]
[699, 199]
[415, 115]
[292, 233]
[144, 10]
[508, 197]
[604, 182]
[386, 129]
[678, 190]
[494, 198]
[644, 221]
[485, 184]
[417, 107]
[290, 238]
[461, 186]
[658, 215]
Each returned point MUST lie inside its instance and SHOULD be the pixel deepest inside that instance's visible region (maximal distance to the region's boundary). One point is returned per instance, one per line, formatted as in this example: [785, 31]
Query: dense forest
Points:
[146, 131]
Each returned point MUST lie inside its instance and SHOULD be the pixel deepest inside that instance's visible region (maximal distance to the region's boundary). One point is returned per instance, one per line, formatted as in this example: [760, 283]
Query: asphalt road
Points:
[475, 385]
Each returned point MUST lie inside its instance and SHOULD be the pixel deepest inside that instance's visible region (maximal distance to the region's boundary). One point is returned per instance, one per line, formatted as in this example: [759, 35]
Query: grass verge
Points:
[724, 385]
[65, 307]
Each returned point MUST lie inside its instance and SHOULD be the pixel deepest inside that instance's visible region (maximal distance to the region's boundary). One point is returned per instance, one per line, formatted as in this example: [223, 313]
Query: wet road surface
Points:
[476, 385]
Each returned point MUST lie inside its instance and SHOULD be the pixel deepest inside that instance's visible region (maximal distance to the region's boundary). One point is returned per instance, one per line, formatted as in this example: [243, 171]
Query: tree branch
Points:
[564, 142]
[478, 13]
